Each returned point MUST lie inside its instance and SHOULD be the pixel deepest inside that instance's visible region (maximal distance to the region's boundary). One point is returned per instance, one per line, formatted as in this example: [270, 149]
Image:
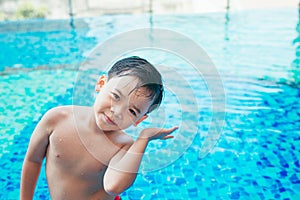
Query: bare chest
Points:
[76, 151]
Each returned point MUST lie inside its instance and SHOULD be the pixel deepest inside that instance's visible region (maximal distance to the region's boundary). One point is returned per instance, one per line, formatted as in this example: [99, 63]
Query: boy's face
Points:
[118, 105]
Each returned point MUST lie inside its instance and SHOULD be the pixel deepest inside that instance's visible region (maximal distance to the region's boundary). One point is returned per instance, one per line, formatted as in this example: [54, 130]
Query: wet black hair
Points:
[147, 74]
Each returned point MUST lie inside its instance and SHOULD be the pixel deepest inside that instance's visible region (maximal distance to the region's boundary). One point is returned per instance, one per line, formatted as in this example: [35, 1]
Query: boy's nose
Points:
[117, 111]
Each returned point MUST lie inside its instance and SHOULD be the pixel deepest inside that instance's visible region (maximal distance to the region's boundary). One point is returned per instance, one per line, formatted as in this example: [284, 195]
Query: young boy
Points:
[88, 156]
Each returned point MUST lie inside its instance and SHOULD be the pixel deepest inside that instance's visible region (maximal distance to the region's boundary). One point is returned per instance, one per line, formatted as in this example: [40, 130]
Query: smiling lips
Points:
[108, 120]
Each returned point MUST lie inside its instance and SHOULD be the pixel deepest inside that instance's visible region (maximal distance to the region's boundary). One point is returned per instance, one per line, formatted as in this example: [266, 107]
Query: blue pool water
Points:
[257, 55]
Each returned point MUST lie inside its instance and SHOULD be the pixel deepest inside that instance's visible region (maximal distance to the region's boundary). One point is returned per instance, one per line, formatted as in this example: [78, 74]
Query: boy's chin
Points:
[109, 129]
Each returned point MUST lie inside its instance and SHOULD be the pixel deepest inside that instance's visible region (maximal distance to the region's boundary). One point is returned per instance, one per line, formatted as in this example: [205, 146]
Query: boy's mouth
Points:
[108, 120]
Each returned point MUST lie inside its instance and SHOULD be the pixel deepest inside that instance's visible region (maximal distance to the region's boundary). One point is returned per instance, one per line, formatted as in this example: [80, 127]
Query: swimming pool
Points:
[256, 53]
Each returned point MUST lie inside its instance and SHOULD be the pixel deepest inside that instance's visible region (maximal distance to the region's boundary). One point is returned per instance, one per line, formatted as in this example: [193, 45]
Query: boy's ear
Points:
[100, 83]
[140, 120]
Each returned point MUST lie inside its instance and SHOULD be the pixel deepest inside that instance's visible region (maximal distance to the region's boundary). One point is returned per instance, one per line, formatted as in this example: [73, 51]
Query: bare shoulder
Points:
[57, 114]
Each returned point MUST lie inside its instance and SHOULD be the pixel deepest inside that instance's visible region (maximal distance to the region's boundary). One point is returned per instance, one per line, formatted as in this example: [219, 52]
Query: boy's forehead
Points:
[125, 84]
[128, 86]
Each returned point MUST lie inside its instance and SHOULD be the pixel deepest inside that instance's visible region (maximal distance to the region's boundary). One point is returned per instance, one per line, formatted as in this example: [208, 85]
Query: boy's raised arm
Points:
[35, 154]
[123, 168]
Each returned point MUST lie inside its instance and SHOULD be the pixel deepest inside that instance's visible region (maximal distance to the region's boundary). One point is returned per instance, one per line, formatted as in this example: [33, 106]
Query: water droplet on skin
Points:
[57, 155]
[60, 140]
[82, 173]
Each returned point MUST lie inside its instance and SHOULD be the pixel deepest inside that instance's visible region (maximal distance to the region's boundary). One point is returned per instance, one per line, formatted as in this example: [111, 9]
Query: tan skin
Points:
[88, 155]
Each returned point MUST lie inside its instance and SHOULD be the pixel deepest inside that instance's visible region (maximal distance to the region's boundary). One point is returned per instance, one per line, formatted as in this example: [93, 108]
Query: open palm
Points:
[157, 133]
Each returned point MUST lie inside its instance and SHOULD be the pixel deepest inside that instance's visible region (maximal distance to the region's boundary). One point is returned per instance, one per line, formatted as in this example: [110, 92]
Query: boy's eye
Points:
[115, 96]
[132, 112]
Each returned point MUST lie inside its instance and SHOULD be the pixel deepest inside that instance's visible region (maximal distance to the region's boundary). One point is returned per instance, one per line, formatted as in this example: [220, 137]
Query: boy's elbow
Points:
[112, 188]
[116, 185]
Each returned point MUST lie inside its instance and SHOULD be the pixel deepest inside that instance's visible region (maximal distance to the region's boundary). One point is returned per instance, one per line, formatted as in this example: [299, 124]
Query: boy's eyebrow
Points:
[119, 92]
[138, 110]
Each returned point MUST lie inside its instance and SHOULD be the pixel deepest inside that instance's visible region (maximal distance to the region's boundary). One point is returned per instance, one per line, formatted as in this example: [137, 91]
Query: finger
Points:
[166, 134]
[170, 130]
[174, 128]
[167, 137]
